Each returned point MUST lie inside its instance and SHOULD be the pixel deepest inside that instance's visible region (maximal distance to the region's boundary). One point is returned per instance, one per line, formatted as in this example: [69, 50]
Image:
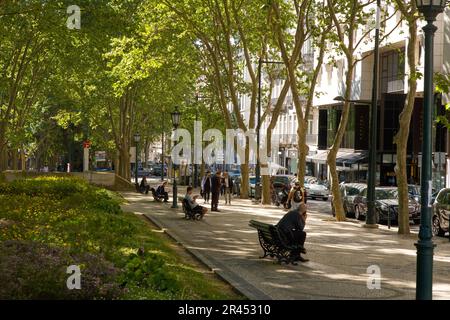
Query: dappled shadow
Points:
[339, 253]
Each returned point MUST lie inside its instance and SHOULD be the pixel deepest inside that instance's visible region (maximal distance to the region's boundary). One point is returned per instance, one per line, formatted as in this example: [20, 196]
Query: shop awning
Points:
[348, 159]
[344, 158]
[320, 157]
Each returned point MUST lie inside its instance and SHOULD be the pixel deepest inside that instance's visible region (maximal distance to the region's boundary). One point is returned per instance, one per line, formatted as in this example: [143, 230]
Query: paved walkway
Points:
[339, 253]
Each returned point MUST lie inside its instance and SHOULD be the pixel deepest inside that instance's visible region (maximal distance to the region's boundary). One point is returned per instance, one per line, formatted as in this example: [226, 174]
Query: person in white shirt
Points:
[195, 207]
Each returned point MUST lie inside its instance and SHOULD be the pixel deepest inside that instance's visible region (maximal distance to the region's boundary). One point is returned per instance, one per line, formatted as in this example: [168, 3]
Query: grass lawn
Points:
[48, 224]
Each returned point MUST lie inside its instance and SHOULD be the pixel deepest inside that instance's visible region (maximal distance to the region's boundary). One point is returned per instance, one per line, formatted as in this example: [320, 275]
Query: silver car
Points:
[317, 191]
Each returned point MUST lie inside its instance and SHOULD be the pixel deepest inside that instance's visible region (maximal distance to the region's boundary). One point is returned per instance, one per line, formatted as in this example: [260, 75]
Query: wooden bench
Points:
[188, 213]
[274, 243]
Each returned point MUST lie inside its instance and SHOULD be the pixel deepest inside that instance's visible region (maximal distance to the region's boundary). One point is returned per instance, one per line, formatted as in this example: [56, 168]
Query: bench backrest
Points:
[270, 233]
[267, 231]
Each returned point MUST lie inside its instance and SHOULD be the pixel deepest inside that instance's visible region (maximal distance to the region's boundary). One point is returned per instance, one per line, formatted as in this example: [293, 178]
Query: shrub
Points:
[29, 270]
[57, 187]
[149, 270]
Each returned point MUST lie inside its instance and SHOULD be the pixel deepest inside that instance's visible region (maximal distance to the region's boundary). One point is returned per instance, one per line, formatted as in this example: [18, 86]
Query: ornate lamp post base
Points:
[175, 191]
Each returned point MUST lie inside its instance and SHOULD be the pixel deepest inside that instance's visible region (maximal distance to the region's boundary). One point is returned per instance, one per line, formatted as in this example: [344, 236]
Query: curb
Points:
[239, 284]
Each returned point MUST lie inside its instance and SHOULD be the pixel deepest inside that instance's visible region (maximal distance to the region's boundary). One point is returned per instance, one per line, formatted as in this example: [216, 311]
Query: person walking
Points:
[206, 186]
[216, 183]
[228, 187]
[297, 195]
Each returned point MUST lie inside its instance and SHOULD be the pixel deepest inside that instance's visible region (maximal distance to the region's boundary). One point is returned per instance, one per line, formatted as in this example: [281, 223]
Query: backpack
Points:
[298, 196]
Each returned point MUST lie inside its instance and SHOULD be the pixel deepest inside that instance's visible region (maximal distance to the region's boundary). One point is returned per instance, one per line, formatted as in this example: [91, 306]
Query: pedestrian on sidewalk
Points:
[228, 185]
[292, 225]
[297, 196]
[206, 186]
[216, 184]
[144, 186]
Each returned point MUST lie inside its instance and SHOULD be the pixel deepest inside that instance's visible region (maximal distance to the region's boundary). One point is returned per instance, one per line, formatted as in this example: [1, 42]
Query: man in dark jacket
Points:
[161, 191]
[216, 184]
[292, 225]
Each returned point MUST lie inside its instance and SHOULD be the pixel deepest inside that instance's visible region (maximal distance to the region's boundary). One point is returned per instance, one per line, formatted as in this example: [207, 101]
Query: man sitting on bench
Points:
[194, 206]
[292, 226]
[161, 192]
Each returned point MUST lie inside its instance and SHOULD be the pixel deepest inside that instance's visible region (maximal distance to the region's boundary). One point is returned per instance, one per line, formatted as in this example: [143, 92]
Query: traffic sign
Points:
[87, 144]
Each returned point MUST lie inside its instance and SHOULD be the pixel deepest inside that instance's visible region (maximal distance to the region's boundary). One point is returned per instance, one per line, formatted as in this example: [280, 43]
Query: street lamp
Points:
[425, 247]
[176, 117]
[137, 138]
[371, 221]
[162, 148]
[258, 139]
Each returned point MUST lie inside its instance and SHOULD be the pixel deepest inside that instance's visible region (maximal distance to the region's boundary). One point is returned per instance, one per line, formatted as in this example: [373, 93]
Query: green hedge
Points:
[49, 223]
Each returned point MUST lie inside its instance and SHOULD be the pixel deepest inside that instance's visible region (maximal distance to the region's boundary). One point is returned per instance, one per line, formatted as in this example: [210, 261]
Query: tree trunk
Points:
[3, 155]
[303, 151]
[332, 155]
[146, 147]
[22, 160]
[401, 139]
[245, 176]
[125, 120]
[267, 197]
[15, 159]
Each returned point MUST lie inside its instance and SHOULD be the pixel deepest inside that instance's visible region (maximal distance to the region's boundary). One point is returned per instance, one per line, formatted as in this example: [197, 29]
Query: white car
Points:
[315, 191]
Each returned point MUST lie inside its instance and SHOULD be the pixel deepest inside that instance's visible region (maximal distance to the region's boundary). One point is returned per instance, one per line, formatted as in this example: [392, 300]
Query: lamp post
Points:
[137, 138]
[258, 128]
[425, 247]
[176, 117]
[371, 180]
[162, 148]
[197, 98]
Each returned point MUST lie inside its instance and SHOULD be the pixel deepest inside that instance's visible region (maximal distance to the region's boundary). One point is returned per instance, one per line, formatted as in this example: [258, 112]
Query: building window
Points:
[310, 125]
[393, 71]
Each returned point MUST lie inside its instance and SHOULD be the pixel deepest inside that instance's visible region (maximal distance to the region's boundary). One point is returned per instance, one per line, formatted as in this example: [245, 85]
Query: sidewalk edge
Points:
[239, 284]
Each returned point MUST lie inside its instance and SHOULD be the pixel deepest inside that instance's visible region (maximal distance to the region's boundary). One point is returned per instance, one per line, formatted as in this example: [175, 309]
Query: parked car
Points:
[315, 191]
[386, 205]
[311, 180]
[414, 192]
[441, 212]
[237, 182]
[349, 193]
[283, 181]
[156, 170]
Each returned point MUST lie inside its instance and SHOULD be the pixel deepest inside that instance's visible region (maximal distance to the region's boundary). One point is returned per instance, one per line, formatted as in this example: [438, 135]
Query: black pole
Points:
[258, 163]
[175, 188]
[370, 217]
[425, 246]
[195, 164]
[162, 149]
[136, 164]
